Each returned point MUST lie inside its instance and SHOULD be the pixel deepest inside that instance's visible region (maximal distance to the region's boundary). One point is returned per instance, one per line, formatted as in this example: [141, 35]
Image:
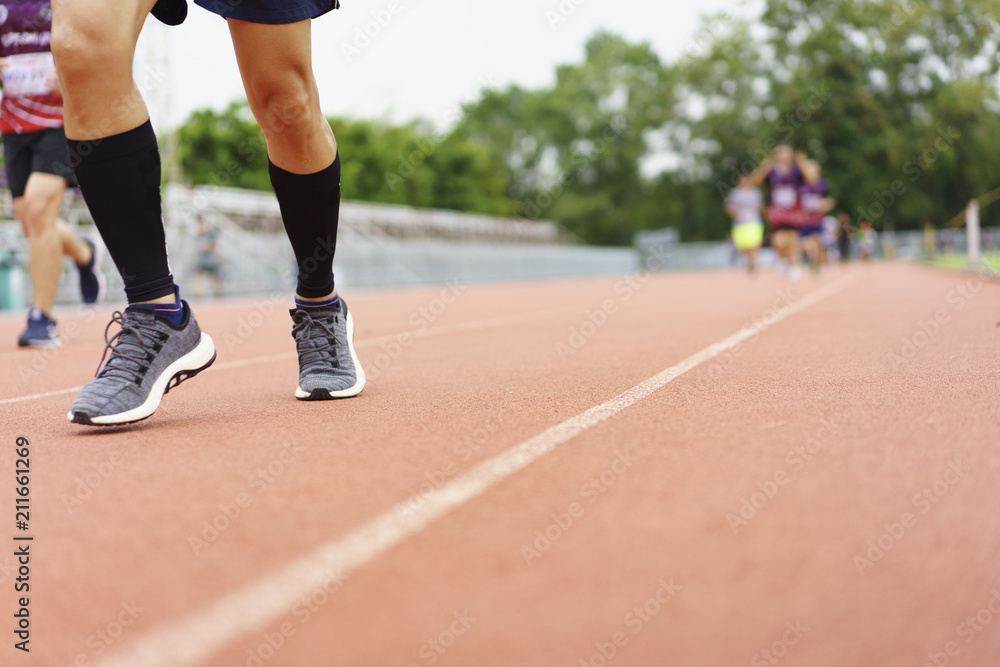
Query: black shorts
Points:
[44, 151]
[272, 12]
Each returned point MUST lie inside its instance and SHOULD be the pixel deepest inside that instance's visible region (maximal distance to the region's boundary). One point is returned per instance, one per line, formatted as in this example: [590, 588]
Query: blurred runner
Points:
[34, 143]
[815, 200]
[745, 205]
[784, 175]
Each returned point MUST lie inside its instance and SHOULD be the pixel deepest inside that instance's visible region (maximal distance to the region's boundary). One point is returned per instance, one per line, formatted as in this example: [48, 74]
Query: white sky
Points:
[430, 57]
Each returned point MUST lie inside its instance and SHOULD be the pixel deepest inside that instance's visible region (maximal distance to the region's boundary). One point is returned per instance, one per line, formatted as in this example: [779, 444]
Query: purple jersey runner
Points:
[28, 105]
[811, 196]
[785, 183]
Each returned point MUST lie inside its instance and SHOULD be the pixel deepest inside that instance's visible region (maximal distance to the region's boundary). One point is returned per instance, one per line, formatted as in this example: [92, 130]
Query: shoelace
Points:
[318, 343]
[130, 354]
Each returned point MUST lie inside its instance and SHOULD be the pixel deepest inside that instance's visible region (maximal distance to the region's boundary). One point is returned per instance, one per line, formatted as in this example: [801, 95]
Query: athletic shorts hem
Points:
[268, 12]
[44, 152]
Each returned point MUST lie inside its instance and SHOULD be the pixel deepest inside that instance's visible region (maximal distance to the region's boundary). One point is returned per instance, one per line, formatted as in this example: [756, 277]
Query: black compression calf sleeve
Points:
[310, 210]
[120, 180]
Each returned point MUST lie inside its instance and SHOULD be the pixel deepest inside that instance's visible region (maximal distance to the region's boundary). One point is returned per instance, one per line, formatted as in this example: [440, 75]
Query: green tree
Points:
[409, 164]
[575, 152]
[898, 100]
[226, 149]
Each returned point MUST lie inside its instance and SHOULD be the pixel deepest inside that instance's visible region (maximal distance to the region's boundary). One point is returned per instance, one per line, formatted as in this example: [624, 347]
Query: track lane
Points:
[418, 436]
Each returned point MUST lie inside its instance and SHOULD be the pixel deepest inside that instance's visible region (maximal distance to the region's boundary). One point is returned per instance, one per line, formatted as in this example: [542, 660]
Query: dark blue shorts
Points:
[272, 12]
[269, 11]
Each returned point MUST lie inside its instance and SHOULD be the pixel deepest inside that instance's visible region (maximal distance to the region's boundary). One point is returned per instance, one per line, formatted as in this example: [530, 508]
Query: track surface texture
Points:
[810, 478]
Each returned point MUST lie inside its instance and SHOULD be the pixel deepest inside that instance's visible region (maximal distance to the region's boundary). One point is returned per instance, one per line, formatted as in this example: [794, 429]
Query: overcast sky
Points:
[427, 58]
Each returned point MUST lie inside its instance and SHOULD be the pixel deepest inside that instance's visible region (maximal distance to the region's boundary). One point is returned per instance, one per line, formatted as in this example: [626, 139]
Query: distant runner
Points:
[815, 202]
[34, 143]
[745, 205]
[784, 175]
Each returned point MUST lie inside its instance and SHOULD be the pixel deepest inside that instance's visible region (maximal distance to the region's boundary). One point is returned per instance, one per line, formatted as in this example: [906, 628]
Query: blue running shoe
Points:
[42, 331]
[92, 283]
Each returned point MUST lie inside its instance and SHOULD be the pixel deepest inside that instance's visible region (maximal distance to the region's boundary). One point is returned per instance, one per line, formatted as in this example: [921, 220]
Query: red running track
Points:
[820, 492]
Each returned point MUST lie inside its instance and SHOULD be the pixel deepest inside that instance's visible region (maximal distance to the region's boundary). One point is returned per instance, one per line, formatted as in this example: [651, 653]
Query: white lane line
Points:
[193, 639]
[368, 342]
[34, 397]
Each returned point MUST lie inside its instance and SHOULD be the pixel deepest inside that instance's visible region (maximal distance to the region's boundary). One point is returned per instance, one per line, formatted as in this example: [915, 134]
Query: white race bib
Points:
[811, 202]
[784, 196]
[28, 74]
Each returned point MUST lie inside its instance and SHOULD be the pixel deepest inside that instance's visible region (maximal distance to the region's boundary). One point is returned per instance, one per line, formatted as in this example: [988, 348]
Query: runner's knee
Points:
[85, 49]
[35, 215]
[285, 104]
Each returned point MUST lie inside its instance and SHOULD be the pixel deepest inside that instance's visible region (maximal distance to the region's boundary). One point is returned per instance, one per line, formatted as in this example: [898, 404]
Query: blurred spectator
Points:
[867, 241]
[207, 264]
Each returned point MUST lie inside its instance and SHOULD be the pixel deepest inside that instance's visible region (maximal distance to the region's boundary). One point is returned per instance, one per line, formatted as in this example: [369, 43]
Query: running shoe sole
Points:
[192, 363]
[40, 342]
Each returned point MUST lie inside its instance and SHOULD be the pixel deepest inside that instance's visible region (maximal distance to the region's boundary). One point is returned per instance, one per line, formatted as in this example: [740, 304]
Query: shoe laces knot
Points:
[315, 339]
[133, 347]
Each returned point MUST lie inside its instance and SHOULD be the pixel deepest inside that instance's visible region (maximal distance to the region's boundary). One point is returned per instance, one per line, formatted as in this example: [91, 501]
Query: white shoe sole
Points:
[42, 343]
[359, 382]
[192, 363]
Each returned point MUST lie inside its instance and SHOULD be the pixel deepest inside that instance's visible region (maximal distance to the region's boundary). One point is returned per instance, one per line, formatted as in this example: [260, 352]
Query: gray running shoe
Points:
[149, 357]
[328, 365]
